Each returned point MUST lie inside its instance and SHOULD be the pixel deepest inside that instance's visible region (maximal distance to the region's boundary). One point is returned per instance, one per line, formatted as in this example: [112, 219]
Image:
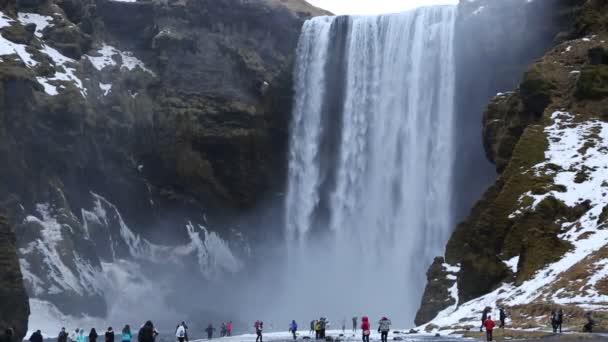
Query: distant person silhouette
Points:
[93, 335]
[63, 336]
[109, 335]
[354, 324]
[210, 329]
[293, 328]
[36, 336]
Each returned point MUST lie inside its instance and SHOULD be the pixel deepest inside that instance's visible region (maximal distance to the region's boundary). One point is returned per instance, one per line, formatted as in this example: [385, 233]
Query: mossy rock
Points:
[593, 82]
[17, 34]
[535, 91]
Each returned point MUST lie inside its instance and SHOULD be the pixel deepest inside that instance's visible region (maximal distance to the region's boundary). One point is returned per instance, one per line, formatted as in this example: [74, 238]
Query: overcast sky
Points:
[374, 6]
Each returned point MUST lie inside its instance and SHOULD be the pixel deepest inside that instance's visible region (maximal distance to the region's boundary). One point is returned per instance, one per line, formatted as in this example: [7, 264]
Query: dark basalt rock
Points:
[14, 306]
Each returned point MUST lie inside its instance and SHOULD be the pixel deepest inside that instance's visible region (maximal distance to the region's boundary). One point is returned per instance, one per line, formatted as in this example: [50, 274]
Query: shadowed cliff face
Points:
[14, 308]
[170, 115]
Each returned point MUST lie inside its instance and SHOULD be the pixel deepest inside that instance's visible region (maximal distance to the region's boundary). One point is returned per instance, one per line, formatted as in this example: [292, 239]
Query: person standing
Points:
[312, 326]
[109, 336]
[503, 317]
[365, 328]
[553, 319]
[484, 317]
[63, 336]
[344, 326]
[93, 335]
[147, 333]
[560, 320]
[229, 329]
[317, 330]
[355, 324]
[36, 336]
[80, 337]
[210, 329]
[180, 333]
[259, 326]
[293, 328]
[126, 335]
[489, 325]
[384, 326]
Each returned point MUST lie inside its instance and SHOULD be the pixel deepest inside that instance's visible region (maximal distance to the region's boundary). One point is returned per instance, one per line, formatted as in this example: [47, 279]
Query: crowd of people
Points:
[148, 333]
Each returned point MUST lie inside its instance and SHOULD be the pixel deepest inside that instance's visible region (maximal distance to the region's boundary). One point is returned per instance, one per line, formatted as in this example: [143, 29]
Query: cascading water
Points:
[370, 164]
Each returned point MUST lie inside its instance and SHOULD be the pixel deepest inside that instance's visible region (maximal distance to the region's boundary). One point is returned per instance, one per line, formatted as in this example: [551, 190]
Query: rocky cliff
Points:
[137, 133]
[14, 308]
[537, 237]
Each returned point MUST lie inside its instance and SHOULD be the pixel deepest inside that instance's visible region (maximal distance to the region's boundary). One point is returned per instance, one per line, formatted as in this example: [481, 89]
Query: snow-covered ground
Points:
[348, 336]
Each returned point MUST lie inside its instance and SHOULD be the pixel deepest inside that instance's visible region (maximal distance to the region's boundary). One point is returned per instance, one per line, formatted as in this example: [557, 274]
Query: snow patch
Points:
[108, 55]
[41, 21]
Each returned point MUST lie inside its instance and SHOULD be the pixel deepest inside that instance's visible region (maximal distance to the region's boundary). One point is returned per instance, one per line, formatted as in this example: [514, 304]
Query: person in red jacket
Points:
[489, 325]
[366, 328]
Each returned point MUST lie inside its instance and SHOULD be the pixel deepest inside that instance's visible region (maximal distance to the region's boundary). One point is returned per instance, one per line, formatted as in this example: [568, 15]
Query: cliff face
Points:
[541, 225]
[14, 308]
[128, 128]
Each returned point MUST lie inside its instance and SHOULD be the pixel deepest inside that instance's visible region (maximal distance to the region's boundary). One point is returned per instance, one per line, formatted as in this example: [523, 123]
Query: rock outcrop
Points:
[541, 222]
[14, 308]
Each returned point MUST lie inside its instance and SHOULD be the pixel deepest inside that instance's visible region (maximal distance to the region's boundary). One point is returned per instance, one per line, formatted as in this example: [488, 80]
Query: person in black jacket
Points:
[110, 335]
[36, 337]
[63, 336]
[93, 335]
[147, 333]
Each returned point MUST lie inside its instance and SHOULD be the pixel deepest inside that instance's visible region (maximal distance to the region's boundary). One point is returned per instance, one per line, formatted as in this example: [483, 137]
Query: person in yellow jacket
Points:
[317, 330]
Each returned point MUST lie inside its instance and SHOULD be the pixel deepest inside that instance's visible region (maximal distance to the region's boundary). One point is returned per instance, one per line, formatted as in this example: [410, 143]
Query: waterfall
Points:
[370, 164]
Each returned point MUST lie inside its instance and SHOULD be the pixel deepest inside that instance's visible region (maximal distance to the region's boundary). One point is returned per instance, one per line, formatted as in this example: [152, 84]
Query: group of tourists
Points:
[319, 327]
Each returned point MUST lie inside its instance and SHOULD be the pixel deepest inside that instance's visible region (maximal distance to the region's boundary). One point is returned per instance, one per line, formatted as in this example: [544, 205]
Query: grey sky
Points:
[374, 6]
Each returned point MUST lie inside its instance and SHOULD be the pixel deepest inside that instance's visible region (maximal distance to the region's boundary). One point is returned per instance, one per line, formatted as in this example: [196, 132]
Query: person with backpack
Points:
[293, 328]
[93, 335]
[109, 335]
[560, 320]
[489, 325]
[180, 333]
[502, 317]
[384, 326]
[147, 333]
[63, 336]
[365, 328]
[126, 335]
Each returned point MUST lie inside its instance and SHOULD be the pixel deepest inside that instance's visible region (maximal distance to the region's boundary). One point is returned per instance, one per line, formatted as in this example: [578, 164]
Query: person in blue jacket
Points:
[293, 327]
[126, 335]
